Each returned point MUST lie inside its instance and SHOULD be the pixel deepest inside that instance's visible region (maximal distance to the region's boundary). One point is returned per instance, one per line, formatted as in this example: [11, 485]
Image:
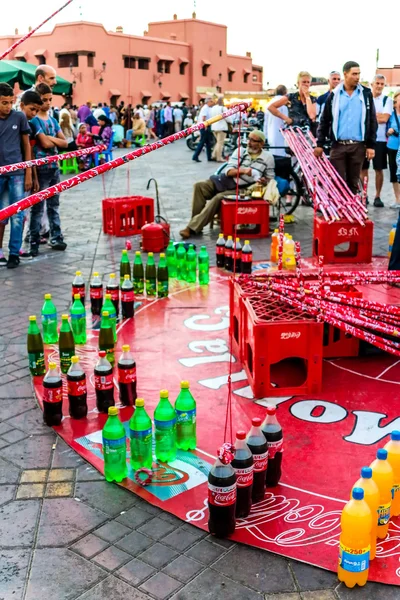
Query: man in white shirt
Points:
[178, 117]
[99, 111]
[273, 125]
[383, 109]
[219, 129]
[205, 134]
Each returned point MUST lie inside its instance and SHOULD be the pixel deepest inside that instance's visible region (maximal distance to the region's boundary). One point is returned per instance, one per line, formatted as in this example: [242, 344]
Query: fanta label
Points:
[244, 477]
[383, 514]
[354, 561]
[260, 462]
[274, 447]
[221, 496]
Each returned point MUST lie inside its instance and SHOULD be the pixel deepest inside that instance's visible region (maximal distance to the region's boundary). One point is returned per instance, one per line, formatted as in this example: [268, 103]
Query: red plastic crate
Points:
[273, 332]
[127, 215]
[253, 212]
[238, 291]
[327, 236]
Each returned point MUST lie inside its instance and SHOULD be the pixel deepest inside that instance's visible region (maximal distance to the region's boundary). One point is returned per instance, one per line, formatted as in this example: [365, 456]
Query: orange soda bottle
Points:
[372, 498]
[274, 246]
[382, 474]
[393, 450]
[354, 544]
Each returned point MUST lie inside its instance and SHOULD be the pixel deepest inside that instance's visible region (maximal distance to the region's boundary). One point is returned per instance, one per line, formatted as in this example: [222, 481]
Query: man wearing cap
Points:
[255, 164]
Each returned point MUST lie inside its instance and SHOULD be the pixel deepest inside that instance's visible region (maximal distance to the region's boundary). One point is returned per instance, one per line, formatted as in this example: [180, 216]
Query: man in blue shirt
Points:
[349, 120]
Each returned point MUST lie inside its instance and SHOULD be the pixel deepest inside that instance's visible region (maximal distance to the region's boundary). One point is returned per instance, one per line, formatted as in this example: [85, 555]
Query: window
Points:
[160, 66]
[144, 63]
[182, 68]
[90, 58]
[41, 59]
[255, 78]
[129, 62]
[230, 76]
[246, 78]
[204, 70]
[167, 66]
[21, 59]
[68, 60]
[220, 52]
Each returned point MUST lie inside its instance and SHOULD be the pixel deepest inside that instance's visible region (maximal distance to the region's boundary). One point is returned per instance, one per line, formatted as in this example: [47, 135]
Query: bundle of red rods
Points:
[331, 195]
[330, 297]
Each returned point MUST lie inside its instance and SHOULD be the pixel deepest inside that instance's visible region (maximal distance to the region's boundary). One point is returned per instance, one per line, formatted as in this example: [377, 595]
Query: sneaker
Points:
[25, 255]
[378, 203]
[13, 261]
[394, 206]
[3, 260]
[57, 244]
[34, 251]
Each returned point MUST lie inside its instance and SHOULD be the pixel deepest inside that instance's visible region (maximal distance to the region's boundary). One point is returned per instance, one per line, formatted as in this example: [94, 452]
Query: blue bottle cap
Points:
[358, 493]
[366, 472]
[381, 454]
[395, 435]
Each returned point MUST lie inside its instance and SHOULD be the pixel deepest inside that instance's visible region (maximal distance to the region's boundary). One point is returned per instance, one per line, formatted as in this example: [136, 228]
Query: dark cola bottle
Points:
[103, 383]
[221, 499]
[78, 287]
[243, 465]
[52, 396]
[127, 298]
[274, 436]
[237, 256]
[96, 294]
[229, 254]
[77, 391]
[247, 258]
[259, 448]
[112, 288]
[220, 251]
[127, 377]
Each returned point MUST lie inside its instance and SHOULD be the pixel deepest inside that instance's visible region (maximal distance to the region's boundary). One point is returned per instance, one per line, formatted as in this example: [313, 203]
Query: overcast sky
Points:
[284, 37]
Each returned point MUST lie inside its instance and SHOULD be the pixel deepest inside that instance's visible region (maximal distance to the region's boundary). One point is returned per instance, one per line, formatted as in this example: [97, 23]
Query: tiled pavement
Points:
[67, 534]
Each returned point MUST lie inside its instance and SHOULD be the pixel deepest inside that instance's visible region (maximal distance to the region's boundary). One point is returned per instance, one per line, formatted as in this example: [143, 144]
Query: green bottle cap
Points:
[126, 277]
[126, 348]
[112, 411]
[106, 313]
[32, 318]
[164, 394]
[47, 296]
[63, 317]
[74, 359]
[77, 296]
[184, 385]
[139, 402]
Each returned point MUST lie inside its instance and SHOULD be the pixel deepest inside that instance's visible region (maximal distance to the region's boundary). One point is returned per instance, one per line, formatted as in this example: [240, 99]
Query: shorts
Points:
[392, 154]
[379, 162]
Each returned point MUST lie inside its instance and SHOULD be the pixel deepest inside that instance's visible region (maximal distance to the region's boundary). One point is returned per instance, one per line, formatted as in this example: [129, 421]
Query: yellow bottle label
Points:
[395, 489]
[354, 561]
[383, 514]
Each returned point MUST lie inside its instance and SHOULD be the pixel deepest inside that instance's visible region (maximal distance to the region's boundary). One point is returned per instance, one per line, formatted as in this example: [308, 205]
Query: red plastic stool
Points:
[127, 215]
[253, 212]
[273, 335]
[327, 236]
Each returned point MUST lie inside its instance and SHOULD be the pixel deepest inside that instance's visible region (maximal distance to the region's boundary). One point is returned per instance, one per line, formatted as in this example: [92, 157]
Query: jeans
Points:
[205, 140]
[12, 190]
[47, 177]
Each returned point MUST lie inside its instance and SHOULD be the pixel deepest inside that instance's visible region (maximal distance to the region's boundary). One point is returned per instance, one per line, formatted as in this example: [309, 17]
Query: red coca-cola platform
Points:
[328, 436]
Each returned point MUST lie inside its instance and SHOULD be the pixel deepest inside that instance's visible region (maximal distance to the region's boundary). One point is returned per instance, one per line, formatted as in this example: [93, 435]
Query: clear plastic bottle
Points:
[382, 474]
[114, 447]
[165, 429]
[78, 320]
[78, 287]
[274, 246]
[185, 407]
[49, 321]
[372, 498]
[393, 450]
[204, 266]
[141, 431]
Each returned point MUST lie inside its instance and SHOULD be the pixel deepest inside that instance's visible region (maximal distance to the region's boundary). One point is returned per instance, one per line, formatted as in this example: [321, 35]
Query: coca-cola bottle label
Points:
[220, 250]
[228, 253]
[274, 447]
[127, 375]
[143, 436]
[77, 388]
[221, 496]
[96, 293]
[260, 462]
[52, 395]
[78, 290]
[237, 254]
[244, 477]
[114, 292]
[103, 382]
[186, 416]
[128, 296]
[247, 257]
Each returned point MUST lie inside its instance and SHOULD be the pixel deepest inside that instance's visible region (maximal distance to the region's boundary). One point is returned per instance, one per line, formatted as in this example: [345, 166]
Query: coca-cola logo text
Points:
[247, 210]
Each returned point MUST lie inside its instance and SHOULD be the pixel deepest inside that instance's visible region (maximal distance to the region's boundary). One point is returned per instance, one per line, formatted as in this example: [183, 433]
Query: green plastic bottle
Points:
[171, 259]
[185, 407]
[106, 337]
[138, 274]
[66, 344]
[49, 321]
[151, 276]
[109, 307]
[141, 431]
[124, 267]
[35, 348]
[78, 320]
[191, 271]
[162, 277]
[114, 447]
[204, 266]
[180, 262]
[165, 429]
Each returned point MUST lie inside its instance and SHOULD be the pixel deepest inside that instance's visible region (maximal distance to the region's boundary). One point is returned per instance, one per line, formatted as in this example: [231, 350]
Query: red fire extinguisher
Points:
[155, 236]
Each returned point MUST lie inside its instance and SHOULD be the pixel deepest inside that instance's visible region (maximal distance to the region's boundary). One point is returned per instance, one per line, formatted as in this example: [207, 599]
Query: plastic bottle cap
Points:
[358, 493]
[52, 365]
[74, 359]
[78, 273]
[241, 435]
[32, 318]
[102, 353]
[276, 230]
[126, 277]
[95, 274]
[271, 410]
[162, 255]
[246, 242]
[77, 296]
[395, 435]
[106, 313]
[124, 251]
[237, 240]
[220, 235]
[47, 296]
[137, 252]
[256, 422]
[366, 472]
[112, 275]
[184, 385]
[150, 254]
[139, 402]
[112, 411]
[164, 394]
[63, 317]
[108, 296]
[229, 237]
[381, 454]
[126, 348]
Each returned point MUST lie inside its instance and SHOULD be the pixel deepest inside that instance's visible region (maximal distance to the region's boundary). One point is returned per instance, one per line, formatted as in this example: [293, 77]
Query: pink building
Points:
[392, 74]
[170, 62]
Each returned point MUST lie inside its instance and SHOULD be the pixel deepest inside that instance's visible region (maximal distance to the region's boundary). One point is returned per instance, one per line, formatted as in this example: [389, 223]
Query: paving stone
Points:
[220, 541]
[31, 452]
[61, 475]
[171, 519]
[11, 408]
[60, 573]
[6, 494]
[18, 523]
[3, 443]
[372, 591]
[134, 517]
[34, 476]
[156, 528]
[64, 456]
[8, 473]
[199, 533]
[135, 543]
[160, 586]
[135, 571]
[16, 389]
[319, 595]
[13, 436]
[111, 558]
[4, 427]
[180, 539]
[89, 546]
[87, 473]
[31, 422]
[30, 490]
[183, 568]
[211, 585]
[205, 552]
[312, 578]
[13, 569]
[63, 520]
[290, 596]
[57, 490]
[114, 589]
[112, 531]
[105, 496]
[158, 555]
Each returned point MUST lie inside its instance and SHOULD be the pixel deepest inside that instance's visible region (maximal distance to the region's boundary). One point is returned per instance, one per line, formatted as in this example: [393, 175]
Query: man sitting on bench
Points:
[255, 165]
